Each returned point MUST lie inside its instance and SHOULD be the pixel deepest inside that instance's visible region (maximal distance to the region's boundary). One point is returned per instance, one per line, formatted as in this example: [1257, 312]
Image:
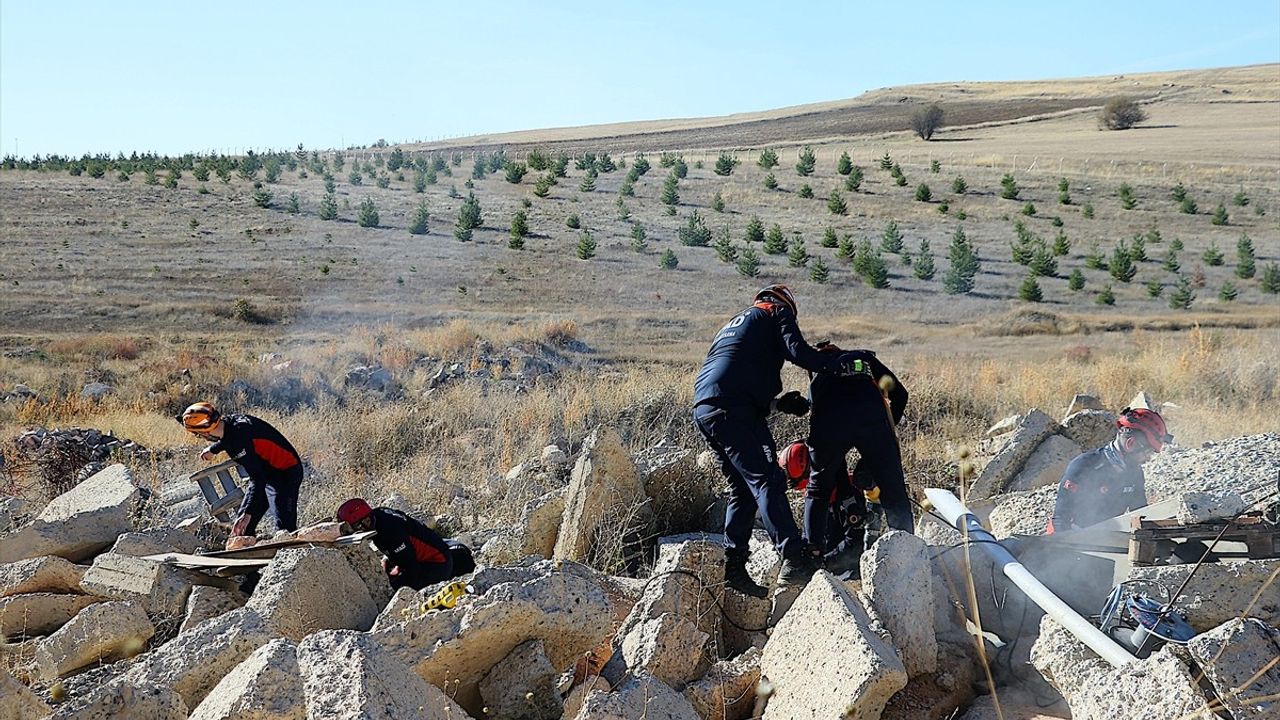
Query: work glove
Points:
[792, 403]
[827, 346]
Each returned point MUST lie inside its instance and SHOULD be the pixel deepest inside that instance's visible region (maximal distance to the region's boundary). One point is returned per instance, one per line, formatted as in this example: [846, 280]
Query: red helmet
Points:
[781, 293]
[1148, 422]
[794, 460]
[354, 510]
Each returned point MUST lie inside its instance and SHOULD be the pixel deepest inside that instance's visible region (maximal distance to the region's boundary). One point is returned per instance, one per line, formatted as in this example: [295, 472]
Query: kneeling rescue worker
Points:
[1106, 482]
[414, 555]
[274, 467]
[736, 389]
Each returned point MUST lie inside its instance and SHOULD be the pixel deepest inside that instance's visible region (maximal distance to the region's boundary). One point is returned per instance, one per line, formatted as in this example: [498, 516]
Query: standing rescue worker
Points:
[414, 555]
[1106, 482]
[858, 410]
[735, 391]
[274, 467]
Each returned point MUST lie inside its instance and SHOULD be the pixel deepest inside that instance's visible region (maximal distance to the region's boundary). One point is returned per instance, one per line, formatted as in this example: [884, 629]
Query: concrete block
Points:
[1239, 658]
[266, 686]
[605, 498]
[80, 522]
[523, 685]
[39, 613]
[1023, 439]
[1045, 465]
[898, 579]
[308, 589]
[48, 574]
[728, 690]
[160, 589]
[102, 631]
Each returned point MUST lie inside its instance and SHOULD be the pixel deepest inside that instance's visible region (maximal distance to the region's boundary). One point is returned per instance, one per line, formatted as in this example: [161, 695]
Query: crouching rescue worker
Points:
[274, 467]
[737, 388]
[1108, 481]
[847, 519]
[414, 555]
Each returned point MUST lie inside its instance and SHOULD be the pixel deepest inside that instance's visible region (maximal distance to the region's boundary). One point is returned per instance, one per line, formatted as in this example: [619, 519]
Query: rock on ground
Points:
[1239, 660]
[161, 589]
[155, 541]
[80, 522]
[39, 613]
[308, 589]
[564, 608]
[17, 702]
[541, 523]
[1198, 507]
[1045, 465]
[898, 580]
[349, 676]
[728, 690]
[48, 574]
[641, 698]
[266, 686]
[366, 560]
[1023, 439]
[102, 630]
[206, 602]
[1083, 402]
[194, 661]
[523, 685]
[125, 701]
[1230, 465]
[668, 647]
[1023, 513]
[1160, 685]
[748, 612]
[1090, 429]
[681, 493]
[606, 502]
[1221, 591]
[826, 621]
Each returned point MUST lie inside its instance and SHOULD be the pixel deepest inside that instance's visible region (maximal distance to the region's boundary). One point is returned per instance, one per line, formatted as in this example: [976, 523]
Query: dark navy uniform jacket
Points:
[744, 364]
[838, 395]
[1097, 485]
[257, 446]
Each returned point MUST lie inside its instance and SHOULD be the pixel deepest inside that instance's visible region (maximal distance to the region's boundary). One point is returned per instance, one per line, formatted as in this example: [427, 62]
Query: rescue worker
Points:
[735, 391]
[846, 521]
[858, 410]
[274, 467]
[414, 555]
[1108, 481]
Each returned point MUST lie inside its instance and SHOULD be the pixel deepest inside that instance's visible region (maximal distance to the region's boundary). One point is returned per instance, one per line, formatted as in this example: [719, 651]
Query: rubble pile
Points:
[64, 457]
[93, 629]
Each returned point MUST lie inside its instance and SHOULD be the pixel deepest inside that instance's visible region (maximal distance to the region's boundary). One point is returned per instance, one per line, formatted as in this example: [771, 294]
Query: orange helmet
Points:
[200, 416]
[794, 460]
[1147, 422]
[781, 293]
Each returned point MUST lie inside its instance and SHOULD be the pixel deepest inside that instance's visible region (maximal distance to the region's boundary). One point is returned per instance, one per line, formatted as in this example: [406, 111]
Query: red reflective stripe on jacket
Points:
[426, 553]
[274, 455]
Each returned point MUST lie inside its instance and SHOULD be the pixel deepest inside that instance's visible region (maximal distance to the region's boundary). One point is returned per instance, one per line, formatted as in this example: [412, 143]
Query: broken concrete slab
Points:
[827, 621]
[898, 579]
[578, 695]
[540, 521]
[1143, 400]
[1023, 513]
[1161, 684]
[14, 510]
[17, 702]
[1023, 439]
[523, 685]
[728, 690]
[1198, 507]
[1083, 402]
[206, 602]
[102, 631]
[80, 522]
[48, 574]
[1045, 465]
[640, 698]
[125, 701]
[669, 647]
[39, 613]
[154, 541]
[564, 607]
[348, 676]
[366, 560]
[1235, 464]
[194, 661]
[308, 589]
[266, 686]
[681, 494]
[1221, 591]
[160, 589]
[1090, 429]
[1239, 660]
[605, 499]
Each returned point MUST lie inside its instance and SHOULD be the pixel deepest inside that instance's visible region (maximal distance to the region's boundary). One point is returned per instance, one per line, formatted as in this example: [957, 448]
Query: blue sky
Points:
[173, 76]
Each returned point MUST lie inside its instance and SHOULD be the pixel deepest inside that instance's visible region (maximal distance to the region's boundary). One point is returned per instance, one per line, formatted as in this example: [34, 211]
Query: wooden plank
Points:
[205, 561]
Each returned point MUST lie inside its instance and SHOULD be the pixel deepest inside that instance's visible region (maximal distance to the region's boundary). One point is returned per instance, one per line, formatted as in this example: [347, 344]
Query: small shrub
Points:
[1229, 292]
[262, 197]
[294, 206]
[717, 202]
[1121, 266]
[886, 162]
[1182, 295]
[829, 239]
[891, 238]
[1155, 289]
[328, 207]
[935, 167]
[1094, 259]
[469, 214]
[1008, 187]
[519, 225]
[775, 243]
[875, 272]
[355, 178]
[514, 172]
[573, 221]
[588, 183]
[1121, 113]
[1213, 256]
[959, 186]
[419, 224]
[1270, 282]
[798, 256]
[1219, 215]
[1127, 200]
[670, 192]
[1188, 206]
[724, 246]
[639, 238]
[770, 181]
[586, 246]
[668, 261]
[755, 230]
[1061, 245]
[1240, 199]
[964, 265]
[844, 165]
[1178, 193]
[923, 194]
[368, 216]
[923, 267]
[695, 233]
[1075, 281]
[854, 181]
[383, 181]
[1030, 291]
[1106, 296]
[725, 165]
[819, 272]
[805, 192]
[805, 165]
[1171, 261]
[1029, 209]
[768, 160]
[1087, 210]
[748, 263]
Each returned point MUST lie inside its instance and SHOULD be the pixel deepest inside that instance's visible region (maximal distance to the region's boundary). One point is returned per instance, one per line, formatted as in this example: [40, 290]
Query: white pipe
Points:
[958, 515]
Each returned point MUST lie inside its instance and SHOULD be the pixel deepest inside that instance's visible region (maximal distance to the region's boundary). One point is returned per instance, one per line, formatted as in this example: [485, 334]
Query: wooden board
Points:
[269, 549]
[226, 562]
[205, 561]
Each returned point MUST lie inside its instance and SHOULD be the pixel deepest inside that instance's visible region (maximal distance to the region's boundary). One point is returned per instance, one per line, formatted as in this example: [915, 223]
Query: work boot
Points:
[797, 570]
[737, 577]
[845, 560]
